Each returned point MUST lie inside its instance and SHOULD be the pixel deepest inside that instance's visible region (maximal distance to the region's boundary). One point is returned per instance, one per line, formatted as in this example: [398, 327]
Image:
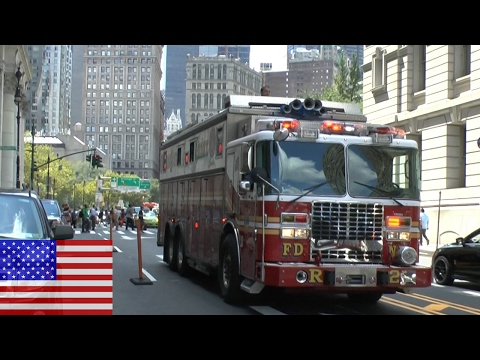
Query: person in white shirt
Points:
[93, 216]
[424, 225]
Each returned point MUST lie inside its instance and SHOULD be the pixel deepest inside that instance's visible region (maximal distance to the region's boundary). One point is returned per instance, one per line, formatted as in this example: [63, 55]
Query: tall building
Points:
[211, 79]
[241, 52]
[309, 71]
[50, 90]
[433, 93]
[354, 49]
[122, 106]
[172, 123]
[175, 77]
[78, 74]
[348, 49]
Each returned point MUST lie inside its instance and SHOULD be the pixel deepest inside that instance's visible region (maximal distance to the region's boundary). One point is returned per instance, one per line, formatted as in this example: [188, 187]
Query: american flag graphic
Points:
[56, 277]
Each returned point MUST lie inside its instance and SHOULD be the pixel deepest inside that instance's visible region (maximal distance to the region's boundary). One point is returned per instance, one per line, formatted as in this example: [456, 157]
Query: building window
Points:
[419, 67]
[462, 61]
[378, 69]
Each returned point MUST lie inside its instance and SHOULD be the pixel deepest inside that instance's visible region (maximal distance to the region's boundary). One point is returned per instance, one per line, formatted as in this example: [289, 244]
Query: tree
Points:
[346, 87]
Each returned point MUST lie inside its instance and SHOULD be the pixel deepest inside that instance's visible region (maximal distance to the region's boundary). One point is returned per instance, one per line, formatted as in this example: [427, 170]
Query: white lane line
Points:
[266, 310]
[116, 248]
[472, 293]
[148, 275]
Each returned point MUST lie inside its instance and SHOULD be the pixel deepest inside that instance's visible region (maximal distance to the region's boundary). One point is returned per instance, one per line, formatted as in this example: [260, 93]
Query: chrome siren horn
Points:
[296, 104]
[309, 104]
[286, 109]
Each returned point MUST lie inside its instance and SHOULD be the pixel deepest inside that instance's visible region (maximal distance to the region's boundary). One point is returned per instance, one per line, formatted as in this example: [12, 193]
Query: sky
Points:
[276, 54]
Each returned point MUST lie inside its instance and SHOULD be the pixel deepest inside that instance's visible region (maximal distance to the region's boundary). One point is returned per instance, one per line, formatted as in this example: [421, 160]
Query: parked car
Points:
[54, 213]
[459, 260]
[150, 219]
[24, 217]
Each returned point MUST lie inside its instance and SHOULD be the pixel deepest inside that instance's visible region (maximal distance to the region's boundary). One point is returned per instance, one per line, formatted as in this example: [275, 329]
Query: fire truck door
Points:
[194, 215]
[247, 218]
[207, 200]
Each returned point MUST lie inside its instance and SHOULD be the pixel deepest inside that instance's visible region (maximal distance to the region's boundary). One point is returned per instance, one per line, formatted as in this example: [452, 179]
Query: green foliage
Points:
[76, 183]
[346, 87]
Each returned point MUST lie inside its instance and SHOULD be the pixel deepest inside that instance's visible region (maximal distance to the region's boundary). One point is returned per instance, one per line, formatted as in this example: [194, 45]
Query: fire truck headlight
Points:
[398, 236]
[290, 233]
[406, 255]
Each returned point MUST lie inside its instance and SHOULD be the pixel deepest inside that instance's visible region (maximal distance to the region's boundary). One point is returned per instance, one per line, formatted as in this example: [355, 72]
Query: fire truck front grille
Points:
[347, 232]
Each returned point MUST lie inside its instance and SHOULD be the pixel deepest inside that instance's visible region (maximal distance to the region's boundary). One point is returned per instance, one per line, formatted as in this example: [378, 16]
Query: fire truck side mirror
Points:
[258, 175]
[245, 186]
[280, 134]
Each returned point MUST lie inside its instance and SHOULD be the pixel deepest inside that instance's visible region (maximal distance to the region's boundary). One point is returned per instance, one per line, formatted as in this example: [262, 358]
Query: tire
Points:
[442, 271]
[182, 263]
[229, 277]
[365, 297]
[172, 253]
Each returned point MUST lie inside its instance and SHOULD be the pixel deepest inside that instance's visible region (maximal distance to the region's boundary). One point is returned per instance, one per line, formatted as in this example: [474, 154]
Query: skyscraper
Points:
[175, 77]
[122, 106]
[50, 89]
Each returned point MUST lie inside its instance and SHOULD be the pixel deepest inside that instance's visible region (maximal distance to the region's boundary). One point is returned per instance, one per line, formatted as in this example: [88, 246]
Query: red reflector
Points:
[224, 220]
[186, 159]
[173, 220]
[332, 126]
[196, 224]
[220, 149]
[301, 218]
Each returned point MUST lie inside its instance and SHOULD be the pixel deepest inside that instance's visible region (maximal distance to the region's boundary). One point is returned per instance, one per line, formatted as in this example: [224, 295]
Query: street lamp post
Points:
[83, 192]
[33, 158]
[18, 99]
[48, 177]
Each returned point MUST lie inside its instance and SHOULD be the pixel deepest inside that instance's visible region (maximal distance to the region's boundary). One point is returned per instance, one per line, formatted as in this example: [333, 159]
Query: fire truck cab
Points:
[297, 194]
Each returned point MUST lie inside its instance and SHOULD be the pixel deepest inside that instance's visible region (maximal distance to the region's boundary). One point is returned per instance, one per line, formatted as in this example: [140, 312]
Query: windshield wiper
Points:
[309, 190]
[385, 192]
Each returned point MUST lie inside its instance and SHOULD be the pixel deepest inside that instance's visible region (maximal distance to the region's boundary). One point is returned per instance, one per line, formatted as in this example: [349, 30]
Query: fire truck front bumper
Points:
[346, 276]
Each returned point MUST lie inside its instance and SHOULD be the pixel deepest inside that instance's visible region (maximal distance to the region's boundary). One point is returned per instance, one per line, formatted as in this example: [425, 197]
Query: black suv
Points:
[24, 217]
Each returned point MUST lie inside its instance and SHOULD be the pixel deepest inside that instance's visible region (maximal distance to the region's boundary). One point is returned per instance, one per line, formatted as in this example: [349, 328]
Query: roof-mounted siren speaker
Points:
[318, 105]
[309, 104]
[286, 109]
[296, 104]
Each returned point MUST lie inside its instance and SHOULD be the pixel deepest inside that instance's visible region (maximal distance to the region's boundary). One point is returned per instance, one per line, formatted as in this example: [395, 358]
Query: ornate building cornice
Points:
[10, 83]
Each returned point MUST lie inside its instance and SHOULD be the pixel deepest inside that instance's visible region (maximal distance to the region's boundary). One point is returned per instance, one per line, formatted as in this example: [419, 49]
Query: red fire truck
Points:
[297, 194]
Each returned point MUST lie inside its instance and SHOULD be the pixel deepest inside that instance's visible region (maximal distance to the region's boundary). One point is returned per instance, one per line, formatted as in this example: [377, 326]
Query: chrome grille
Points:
[347, 232]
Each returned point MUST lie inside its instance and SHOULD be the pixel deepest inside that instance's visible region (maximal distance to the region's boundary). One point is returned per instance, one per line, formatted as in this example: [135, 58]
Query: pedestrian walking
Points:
[424, 220]
[129, 217]
[84, 216]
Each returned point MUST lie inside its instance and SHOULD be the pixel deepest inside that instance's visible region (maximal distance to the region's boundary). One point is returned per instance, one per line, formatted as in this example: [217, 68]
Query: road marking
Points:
[436, 307]
[116, 248]
[441, 302]
[472, 293]
[266, 310]
[411, 307]
[148, 275]
[160, 256]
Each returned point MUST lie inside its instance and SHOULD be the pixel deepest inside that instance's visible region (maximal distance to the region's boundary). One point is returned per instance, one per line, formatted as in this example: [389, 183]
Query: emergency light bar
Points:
[313, 129]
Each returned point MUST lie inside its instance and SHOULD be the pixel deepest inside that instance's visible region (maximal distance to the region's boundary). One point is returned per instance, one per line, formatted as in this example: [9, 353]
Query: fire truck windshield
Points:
[304, 168]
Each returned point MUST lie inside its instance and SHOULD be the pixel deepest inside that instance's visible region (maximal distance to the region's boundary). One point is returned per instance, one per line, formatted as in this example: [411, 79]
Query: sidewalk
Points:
[428, 249]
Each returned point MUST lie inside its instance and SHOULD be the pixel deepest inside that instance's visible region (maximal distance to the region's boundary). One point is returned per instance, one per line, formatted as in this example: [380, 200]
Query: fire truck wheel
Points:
[229, 271]
[172, 253]
[365, 298]
[182, 263]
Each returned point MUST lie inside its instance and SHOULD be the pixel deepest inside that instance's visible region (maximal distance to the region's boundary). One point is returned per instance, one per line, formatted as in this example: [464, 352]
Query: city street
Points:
[170, 294]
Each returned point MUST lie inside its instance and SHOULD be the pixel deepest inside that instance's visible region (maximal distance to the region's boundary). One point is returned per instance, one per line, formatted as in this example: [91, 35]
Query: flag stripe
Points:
[59, 300]
[63, 266]
[84, 277]
[66, 294]
[53, 306]
[83, 284]
[55, 312]
[85, 271]
[84, 260]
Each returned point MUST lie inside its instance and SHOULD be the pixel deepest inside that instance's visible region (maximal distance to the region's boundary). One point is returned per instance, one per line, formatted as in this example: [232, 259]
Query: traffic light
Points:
[89, 158]
[35, 166]
[98, 161]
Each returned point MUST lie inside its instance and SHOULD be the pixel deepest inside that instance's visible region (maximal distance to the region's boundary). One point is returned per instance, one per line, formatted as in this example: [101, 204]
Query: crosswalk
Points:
[123, 233]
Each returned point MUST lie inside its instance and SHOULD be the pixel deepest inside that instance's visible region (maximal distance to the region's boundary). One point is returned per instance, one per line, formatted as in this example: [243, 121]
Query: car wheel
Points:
[442, 271]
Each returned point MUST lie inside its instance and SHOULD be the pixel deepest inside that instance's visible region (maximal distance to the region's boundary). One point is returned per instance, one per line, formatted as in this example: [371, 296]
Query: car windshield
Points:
[51, 208]
[20, 218]
[150, 214]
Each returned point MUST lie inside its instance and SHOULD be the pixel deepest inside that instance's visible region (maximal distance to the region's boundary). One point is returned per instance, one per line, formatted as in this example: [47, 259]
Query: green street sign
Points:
[130, 182]
[145, 185]
[7, 147]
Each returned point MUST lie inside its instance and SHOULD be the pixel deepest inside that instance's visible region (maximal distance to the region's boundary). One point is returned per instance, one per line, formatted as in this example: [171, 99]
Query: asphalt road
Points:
[146, 286]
